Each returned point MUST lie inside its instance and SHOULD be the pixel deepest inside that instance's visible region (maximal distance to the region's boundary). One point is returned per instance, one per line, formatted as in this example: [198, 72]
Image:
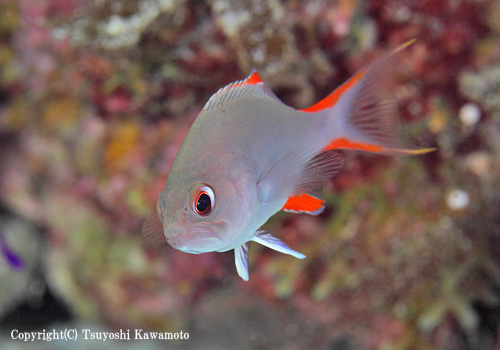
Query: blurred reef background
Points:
[95, 99]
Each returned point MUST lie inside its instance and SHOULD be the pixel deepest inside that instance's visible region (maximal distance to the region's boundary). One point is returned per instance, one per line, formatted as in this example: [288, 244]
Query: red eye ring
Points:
[204, 201]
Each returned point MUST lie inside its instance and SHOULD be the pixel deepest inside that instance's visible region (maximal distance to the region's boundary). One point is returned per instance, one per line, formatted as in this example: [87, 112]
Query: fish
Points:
[248, 156]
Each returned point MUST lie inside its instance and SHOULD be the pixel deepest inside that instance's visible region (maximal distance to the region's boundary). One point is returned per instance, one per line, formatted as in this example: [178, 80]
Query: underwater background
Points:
[95, 99]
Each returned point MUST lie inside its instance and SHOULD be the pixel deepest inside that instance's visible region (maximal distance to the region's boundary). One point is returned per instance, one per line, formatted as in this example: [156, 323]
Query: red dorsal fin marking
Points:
[304, 203]
[252, 85]
[331, 100]
[253, 79]
[342, 142]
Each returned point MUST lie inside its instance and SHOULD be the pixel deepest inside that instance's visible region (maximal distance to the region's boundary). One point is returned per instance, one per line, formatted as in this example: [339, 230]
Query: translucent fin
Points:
[253, 85]
[272, 242]
[304, 203]
[152, 229]
[330, 100]
[322, 166]
[364, 114]
[297, 173]
[241, 260]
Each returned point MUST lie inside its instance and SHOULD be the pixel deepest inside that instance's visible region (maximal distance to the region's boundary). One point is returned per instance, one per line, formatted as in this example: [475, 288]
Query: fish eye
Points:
[204, 201]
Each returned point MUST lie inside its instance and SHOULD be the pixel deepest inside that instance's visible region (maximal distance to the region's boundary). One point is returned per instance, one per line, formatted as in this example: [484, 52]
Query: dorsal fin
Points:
[252, 79]
[252, 85]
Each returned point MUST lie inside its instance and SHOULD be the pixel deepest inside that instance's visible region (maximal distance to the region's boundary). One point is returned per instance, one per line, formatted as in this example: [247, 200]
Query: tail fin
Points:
[362, 112]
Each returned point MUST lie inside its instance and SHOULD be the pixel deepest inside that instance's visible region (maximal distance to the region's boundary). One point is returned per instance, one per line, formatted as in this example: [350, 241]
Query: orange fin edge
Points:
[331, 100]
[344, 143]
[304, 203]
[253, 78]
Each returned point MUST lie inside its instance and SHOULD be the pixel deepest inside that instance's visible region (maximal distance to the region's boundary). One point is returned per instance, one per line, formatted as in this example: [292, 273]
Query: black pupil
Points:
[203, 203]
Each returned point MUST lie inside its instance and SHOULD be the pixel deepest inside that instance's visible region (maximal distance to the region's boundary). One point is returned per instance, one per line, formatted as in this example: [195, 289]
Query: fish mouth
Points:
[194, 239]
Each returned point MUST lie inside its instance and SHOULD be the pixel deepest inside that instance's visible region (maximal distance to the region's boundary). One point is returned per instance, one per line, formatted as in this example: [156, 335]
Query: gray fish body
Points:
[247, 137]
[257, 129]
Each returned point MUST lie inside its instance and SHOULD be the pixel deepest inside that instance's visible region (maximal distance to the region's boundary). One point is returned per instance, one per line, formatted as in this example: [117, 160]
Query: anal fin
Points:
[304, 203]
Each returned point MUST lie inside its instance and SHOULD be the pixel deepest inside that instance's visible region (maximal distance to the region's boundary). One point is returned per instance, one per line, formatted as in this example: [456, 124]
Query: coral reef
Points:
[96, 97]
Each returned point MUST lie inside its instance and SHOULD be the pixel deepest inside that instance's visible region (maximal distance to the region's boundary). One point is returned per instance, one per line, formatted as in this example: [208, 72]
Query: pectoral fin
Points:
[152, 229]
[241, 260]
[298, 172]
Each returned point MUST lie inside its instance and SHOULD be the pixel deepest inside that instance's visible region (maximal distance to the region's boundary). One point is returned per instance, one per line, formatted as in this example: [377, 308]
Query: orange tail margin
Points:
[343, 143]
[370, 119]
